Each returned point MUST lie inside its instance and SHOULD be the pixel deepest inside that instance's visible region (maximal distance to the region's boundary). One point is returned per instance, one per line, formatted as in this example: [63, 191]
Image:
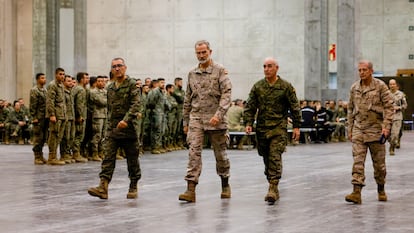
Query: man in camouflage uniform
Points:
[98, 105]
[272, 98]
[80, 102]
[69, 134]
[171, 118]
[17, 122]
[400, 104]
[3, 117]
[156, 101]
[123, 109]
[370, 114]
[38, 114]
[207, 99]
[56, 112]
[235, 120]
[179, 94]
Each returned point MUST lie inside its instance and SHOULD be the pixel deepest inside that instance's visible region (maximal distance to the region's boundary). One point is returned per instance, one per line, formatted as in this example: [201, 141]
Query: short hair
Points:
[169, 86]
[161, 79]
[38, 75]
[80, 76]
[59, 69]
[201, 42]
[177, 79]
[368, 62]
[92, 80]
[118, 58]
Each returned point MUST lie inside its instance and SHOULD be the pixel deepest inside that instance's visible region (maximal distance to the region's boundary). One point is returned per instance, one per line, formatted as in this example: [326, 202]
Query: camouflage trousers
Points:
[271, 150]
[98, 129]
[195, 139]
[395, 132]
[66, 143]
[157, 129]
[130, 147]
[79, 135]
[56, 131]
[359, 152]
[40, 131]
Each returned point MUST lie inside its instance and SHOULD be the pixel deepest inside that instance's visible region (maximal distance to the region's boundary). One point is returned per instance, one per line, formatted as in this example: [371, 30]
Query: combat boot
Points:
[355, 196]
[52, 160]
[38, 158]
[398, 143]
[101, 191]
[382, 196]
[155, 151]
[21, 141]
[189, 195]
[225, 188]
[78, 158]
[67, 158]
[273, 193]
[392, 150]
[133, 190]
[95, 157]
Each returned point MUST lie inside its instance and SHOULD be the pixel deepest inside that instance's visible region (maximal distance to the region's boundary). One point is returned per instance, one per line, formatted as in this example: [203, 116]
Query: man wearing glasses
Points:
[123, 109]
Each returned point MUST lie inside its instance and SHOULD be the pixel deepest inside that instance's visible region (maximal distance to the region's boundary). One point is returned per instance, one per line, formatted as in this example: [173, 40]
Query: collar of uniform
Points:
[368, 88]
[208, 70]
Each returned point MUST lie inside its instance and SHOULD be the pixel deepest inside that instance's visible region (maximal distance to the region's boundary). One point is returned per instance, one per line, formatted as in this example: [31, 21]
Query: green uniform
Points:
[79, 100]
[179, 95]
[156, 103]
[98, 105]
[123, 104]
[55, 106]
[66, 144]
[272, 104]
[38, 112]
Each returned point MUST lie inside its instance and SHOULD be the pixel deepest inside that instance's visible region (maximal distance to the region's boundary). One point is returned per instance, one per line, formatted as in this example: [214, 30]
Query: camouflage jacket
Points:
[4, 112]
[173, 107]
[400, 103]
[123, 104]
[208, 94]
[98, 100]
[70, 107]
[273, 104]
[37, 103]
[14, 117]
[235, 118]
[80, 102]
[55, 101]
[157, 101]
[370, 109]
[179, 95]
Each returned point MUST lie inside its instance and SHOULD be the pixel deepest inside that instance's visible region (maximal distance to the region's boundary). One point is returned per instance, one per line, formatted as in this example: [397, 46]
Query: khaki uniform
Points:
[80, 102]
[98, 104]
[55, 106]
[208, 94]
[38, 111]
[66, 144]
[370, 109]
[272, 104]
[401, 104]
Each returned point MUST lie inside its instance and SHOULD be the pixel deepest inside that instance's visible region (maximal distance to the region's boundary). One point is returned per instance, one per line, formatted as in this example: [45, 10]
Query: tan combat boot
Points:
[67, 158]
[382, 196]
[189, 195]
[38, 158]
[101, 191]
[95, 157]
[155, 151]
[355, 196]
[78, 158]
[52, 160]
[133, 190]
[273, 193]
[225, 188]
[392, 149]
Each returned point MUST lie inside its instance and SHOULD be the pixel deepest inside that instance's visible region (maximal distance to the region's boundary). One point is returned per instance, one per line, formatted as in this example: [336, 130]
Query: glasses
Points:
[117, 66]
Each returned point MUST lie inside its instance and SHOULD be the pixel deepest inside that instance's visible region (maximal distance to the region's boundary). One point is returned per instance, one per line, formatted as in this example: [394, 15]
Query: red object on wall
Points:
[332, 52]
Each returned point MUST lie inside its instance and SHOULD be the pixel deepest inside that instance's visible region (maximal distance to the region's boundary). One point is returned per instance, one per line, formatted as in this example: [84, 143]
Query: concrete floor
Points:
[316, 179]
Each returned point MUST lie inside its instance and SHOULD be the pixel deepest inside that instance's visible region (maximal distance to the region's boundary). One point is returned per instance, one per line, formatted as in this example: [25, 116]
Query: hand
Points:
[185, 129]
[122, 124]
[386, 132]
[296, 134]
[35, 121]
[249, 129]
[52, 119]
[214, 121]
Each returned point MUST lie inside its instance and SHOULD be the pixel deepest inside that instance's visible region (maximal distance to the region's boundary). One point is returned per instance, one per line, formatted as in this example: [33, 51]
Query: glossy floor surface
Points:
[316, 177]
